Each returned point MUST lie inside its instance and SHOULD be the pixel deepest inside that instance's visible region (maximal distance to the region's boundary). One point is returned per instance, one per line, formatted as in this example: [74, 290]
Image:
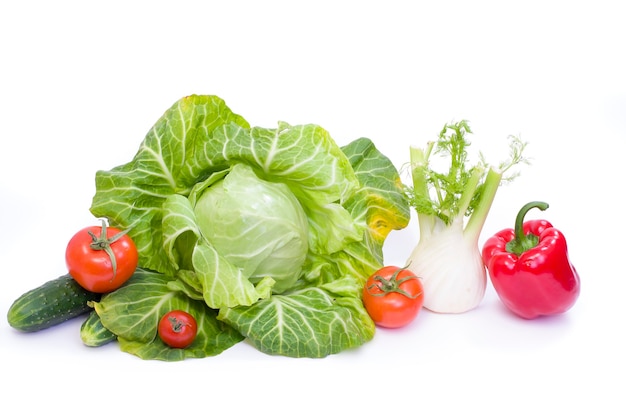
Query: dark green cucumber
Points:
[54, 302]
[93, 333]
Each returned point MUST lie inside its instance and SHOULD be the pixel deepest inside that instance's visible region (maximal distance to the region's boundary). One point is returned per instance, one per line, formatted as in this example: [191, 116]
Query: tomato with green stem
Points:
[100, 258]
[177, 329]
[393, 296]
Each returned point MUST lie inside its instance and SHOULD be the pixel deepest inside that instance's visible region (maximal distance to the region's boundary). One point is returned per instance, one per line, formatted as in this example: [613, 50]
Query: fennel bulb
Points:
[447, 257]
[451, 269]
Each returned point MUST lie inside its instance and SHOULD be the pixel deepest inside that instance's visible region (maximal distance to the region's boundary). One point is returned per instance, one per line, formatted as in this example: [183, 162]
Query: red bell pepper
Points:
[530, 268]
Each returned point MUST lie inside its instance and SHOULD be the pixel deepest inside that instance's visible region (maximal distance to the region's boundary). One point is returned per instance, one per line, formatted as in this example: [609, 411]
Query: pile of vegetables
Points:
[217, 231]
[260, 234]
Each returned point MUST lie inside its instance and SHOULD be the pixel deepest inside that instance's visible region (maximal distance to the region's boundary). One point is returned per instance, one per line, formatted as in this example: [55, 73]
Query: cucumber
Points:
[54, 302]
[93, 333]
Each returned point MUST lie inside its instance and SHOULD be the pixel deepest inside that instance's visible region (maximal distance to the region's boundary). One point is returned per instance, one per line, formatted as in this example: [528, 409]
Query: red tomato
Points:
[177, 329]
[393, 296]
[101, 258]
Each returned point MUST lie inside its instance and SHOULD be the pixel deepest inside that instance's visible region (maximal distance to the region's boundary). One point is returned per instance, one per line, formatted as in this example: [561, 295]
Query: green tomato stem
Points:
[392, 284]
[177, 325]
[103, 243]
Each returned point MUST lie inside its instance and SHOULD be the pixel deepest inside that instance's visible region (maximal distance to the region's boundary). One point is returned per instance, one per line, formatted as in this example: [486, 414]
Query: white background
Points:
[82, 82]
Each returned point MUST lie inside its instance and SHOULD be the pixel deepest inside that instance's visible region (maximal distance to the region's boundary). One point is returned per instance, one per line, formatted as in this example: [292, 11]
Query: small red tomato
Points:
[178, 329]
[393, 296]
[101, 258]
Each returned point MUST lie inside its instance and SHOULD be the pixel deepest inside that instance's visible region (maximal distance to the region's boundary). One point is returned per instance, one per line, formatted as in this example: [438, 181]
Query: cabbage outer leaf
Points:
[133, 311]
[312, 322]
[378, 206]
[223, 284]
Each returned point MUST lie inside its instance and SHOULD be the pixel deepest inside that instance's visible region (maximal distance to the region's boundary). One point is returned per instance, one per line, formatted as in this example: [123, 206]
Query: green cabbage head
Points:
[258, 226]
[268, 234]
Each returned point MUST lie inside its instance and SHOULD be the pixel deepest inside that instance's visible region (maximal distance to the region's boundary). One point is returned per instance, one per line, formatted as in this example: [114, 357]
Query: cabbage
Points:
[259, 226]
[268, 233]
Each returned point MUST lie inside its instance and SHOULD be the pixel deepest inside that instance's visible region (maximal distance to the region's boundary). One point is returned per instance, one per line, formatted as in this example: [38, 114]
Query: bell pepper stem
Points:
[522, 242]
